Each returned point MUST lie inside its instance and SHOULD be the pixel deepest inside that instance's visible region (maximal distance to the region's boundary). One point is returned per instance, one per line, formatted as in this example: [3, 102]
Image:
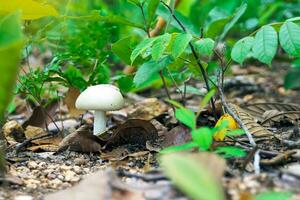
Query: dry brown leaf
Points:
[134, 132]
[43, 147]
[82, 140]
[13, 131]
[101, 185]
[40, 115]
[276, 116]
[147, 109]
[33, 131]
[176, 136]
[70, 100]
[258, 109]
[250, 122]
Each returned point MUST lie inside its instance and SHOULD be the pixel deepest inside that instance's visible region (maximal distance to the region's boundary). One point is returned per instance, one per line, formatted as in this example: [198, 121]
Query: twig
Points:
[166, 89]
[195, 56]
[239, 121]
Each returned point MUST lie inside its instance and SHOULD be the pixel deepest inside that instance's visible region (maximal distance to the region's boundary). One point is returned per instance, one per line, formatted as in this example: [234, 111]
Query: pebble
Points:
[70, 176]
[32, 165]
[77, 169]
[24, 197]
[80, 161]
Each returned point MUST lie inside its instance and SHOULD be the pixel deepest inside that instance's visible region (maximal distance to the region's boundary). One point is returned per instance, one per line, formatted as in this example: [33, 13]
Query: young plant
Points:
[203, 137]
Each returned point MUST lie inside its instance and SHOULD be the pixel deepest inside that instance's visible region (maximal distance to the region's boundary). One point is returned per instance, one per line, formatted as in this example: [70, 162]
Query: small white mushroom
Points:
[100, 98]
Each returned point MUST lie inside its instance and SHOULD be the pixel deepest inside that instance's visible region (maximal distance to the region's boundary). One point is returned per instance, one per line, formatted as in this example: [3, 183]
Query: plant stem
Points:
[195, 56]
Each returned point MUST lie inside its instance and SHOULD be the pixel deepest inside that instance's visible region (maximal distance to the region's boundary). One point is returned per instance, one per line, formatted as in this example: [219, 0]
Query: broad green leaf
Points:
[205, 46]
[236, 16]
[230, 151]
[10, 54]
[190, 90]
[236, 132]
[191, 176]
[153, 4]
[272, 195]
[265, 44]
[149, 69]
[180, 43]
[160, 45]
[216, 27]
[207, 98]
[241, 49]
[30, 9]
[122, 49]
[141, 47]
[291, 79]
[203, 137]
[182, 147]
[186, 116]
[289, 37]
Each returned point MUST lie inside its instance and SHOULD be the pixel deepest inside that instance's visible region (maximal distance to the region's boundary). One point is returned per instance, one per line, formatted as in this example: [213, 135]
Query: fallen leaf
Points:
[40, 115]
[82, 140]
[70, 99]
[254, 128]
[198, 176]
[177, 136]
[33, 131]
[13, 131]
[43, 148]
[102, 185]
[134, 132]
[147, 109]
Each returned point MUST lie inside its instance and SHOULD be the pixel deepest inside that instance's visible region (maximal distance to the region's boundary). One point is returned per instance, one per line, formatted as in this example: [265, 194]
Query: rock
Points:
[70, 176]
[13, 131]
[77, 170]
[32, 165]
[23, 197]
[33, 131]
[80, 161]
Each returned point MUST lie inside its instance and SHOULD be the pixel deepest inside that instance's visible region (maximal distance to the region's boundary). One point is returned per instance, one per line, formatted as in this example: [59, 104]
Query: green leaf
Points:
[160, 45]
[122, 49]
[236, 16]
[149, 69]
[11, 44]
[291, 79]
[289, 37]
[191, 176]
[265, 44]
[205, 46]
[153, 4]
[207, 98]
[271, 195]
[216, 27]
[186, 116]
[241, 49]
[180, 43]
[236, 132]
[141, 47]
[230, 151]
[203, 137]
[183, 147]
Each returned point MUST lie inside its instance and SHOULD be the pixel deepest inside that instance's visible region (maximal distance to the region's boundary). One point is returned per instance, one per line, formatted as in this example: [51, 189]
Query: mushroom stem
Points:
[99, 122]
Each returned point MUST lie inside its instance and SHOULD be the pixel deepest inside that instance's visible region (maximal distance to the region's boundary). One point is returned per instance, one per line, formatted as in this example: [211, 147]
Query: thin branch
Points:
[195, 56]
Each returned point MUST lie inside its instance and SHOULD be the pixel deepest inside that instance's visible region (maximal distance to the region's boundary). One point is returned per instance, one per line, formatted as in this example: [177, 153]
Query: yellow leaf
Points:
[220, 135]
[30, 9]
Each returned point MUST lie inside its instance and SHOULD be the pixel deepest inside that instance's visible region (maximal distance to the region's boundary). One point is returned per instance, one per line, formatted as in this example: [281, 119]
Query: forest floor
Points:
[127, 168]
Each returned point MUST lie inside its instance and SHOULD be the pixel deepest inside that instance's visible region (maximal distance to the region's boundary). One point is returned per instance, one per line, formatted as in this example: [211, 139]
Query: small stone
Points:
[80, 161]
[24, 197]
[65, 168]
[69, 175]
[51, 176]
[32, 165]
[77, 169]
[60, 177]
[55, 183]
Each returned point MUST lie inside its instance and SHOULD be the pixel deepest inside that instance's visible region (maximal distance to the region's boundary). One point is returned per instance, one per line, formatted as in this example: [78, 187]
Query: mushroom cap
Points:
[103, 97]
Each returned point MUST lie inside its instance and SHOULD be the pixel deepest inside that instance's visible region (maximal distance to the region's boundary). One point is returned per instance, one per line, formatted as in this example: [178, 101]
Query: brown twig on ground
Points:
[235, 116]
[279, 159]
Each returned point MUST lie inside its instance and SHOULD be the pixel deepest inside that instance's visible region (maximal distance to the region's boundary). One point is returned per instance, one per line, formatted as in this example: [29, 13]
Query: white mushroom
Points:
[100, 98]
